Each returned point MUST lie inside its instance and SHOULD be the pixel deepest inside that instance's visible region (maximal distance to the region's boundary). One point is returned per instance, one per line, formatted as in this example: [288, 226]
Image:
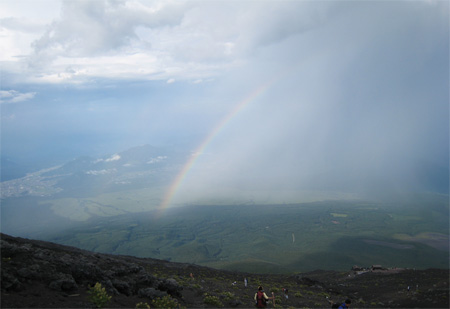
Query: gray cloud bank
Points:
[363, 109]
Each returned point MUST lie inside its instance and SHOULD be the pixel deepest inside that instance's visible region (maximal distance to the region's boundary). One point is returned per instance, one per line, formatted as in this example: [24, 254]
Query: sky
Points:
[343, 96]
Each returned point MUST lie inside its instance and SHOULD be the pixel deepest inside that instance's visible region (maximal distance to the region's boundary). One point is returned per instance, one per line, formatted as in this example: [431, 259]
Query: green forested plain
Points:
[287, 238]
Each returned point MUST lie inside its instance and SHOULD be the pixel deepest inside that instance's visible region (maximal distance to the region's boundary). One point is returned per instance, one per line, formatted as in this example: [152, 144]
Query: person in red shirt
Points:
[261, 298]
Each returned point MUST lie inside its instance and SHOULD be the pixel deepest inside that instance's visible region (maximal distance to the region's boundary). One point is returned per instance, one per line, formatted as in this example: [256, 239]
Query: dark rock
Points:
[306, 281]
[171, 286]
[127, 269]
[65, 283]
[234, 303]
[146, 280]
[10, 283]
[122, 287]
[26, 273]
[109, 287]
[87, 271]
[151, 293]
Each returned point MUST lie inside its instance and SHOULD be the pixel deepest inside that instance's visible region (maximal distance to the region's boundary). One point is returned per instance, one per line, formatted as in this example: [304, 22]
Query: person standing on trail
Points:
[261, 298]
[245, 282]
[286, 293]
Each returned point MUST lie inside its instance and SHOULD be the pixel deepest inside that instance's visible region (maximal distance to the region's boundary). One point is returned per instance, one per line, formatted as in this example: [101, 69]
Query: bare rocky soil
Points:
[37, 274]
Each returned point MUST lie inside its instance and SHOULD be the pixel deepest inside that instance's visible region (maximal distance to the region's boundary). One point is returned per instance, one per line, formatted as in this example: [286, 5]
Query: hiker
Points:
[285, 293]
[261, 298]
[245, 282]
[345, 304]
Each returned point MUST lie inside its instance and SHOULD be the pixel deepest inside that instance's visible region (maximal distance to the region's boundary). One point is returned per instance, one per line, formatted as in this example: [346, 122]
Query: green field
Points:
[278, 238]
[106, 204]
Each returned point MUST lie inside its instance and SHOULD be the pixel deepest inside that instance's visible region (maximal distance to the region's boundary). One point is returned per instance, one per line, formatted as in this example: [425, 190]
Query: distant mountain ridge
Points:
[138, 167]
[84, 176]
[54, 198]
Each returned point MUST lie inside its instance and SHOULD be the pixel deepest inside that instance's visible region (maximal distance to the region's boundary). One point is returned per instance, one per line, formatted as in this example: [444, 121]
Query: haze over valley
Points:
[115, 204]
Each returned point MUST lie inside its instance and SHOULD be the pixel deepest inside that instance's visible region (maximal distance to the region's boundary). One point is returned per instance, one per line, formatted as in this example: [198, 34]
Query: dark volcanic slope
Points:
[45, 275]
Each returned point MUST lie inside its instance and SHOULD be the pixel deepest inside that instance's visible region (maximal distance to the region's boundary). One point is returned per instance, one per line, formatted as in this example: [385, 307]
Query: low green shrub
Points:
[197, 286]
[275, 289]
[277, 299]
[142, 306]
[212, 300]
[323, 294]
[98, 295]
[165, 302]
[227, 295]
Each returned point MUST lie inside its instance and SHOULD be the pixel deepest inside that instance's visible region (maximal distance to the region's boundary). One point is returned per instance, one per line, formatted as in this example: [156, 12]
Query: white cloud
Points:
[157, 40]
[115, 157]
[101, 172]
[30, 9]
[13, 96]
[21, 23]
[157, 159]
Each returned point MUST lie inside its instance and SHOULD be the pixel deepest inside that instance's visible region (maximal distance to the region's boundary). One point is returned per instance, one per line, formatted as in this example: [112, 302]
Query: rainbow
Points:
[201, 148]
